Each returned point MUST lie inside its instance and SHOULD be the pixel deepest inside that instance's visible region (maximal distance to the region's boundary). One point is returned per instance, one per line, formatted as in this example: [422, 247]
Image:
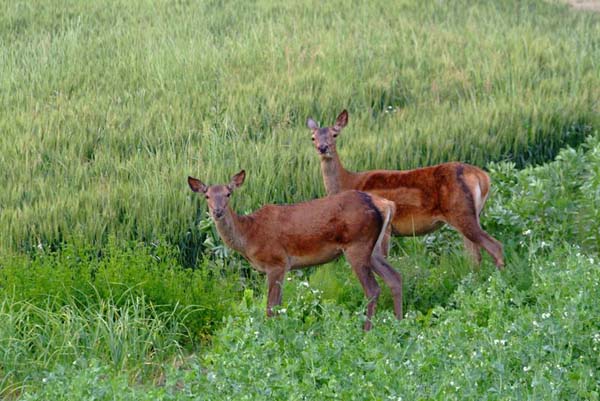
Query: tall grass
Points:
[78, 276]
[133, 339]
[105, 108]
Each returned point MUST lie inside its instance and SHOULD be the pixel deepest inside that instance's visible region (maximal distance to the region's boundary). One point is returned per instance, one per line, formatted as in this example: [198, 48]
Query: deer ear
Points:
[196, 185]
[341, 120]
[237, 180]
[312, 124]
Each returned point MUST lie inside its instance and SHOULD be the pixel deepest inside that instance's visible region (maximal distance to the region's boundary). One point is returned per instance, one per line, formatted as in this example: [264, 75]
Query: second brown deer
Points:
[278, 238]
[453, 193]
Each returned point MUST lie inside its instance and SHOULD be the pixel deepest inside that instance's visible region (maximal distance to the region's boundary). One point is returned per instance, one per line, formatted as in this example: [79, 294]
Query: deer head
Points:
[217, 196]
[324, 138]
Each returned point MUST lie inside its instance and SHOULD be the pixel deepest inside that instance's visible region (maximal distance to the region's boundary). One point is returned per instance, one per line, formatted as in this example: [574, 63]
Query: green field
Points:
[115, 285]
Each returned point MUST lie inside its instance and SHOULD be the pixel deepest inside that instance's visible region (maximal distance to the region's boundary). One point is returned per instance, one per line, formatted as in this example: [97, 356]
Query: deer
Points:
[278, 238]
[452, 193]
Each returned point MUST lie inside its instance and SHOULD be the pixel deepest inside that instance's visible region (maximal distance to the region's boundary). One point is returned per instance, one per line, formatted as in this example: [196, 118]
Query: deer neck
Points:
[232, 230]
[335, 176]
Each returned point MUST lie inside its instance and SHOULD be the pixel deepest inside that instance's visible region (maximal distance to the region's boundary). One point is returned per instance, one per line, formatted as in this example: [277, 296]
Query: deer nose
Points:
[218, 213]
[323, 149]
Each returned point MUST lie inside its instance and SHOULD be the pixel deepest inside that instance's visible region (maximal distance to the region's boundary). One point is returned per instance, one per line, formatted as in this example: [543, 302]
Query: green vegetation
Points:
[114, 284]
[494, 342]
[532, 330]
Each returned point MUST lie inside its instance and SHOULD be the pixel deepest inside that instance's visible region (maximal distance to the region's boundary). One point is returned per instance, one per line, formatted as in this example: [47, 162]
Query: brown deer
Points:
[278, 238]
[453, 193]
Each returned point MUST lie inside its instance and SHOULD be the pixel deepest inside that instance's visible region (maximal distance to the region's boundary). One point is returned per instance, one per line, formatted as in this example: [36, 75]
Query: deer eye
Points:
[312, 139]
[335, 135]
[207, 197]
[229, 194]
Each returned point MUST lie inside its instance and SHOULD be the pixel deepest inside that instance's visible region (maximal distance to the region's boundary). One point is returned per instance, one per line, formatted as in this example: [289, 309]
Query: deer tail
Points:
[484, 185]
[386, 209]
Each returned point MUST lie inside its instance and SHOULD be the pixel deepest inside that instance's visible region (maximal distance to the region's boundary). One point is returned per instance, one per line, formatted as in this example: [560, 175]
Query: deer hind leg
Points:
[359, 259]
[392, 278]
[473, 250]
[275, 283]
[385, 244]
[468, 225]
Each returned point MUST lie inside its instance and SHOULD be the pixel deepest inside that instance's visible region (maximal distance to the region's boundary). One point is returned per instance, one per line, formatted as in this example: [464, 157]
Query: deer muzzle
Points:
[323, 149]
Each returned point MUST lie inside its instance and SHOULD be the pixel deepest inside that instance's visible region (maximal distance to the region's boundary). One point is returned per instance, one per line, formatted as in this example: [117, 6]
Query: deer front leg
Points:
[275, 282]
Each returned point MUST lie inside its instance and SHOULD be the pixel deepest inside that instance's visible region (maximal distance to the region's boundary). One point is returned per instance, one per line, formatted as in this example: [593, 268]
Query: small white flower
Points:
[305, 284]
[526, 368]
[545, 315]
[527, 232]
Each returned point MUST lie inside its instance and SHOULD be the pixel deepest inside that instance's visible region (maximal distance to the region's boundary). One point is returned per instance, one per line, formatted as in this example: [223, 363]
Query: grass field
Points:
[106, 108]
[115, 285]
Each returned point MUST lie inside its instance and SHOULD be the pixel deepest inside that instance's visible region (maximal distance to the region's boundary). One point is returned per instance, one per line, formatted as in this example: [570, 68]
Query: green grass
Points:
[78, 276]
[106, 108]
[134, 338]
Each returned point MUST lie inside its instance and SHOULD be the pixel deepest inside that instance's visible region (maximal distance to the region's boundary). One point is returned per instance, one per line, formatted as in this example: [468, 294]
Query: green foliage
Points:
[105, 108]
[557, 201]
[494, 342]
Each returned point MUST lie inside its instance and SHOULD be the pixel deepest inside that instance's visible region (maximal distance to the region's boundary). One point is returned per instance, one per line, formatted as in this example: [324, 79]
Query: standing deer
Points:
[425, 198]
[278, 238]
